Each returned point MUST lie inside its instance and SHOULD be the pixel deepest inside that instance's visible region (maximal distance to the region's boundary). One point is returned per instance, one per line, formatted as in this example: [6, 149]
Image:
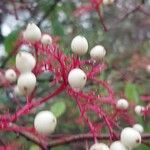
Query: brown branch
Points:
[82, 137]
[15, 9]
[144, 11]
[146, 143]
[88, 137]
[57, 140]
[137, 8]
[31, 136]
[102, 20]
[51, 8]
[41, 142]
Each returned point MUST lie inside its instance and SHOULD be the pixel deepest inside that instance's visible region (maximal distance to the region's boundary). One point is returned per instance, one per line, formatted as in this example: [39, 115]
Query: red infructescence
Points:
[51, 58]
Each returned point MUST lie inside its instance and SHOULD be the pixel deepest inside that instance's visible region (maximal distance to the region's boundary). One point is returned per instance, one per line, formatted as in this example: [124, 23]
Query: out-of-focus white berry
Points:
[46, 39]
[148, 68]
[130, 138]
[45, 122]
[139, 109]
[10, 75]
[108, 2]
[26, 83]
[97, 52]
[77, 78]
[117, 145]
[138, 128]
[122, 104]
[25, 62]
[79, 45]
[32, 33]
[99, 146]
[17, 91]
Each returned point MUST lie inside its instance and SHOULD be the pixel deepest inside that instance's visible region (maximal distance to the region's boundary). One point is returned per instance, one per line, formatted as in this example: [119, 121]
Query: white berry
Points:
[26, 83]
[122, 104]
[108, 2]
[138, 128]
[77, 78]
[46, 39]
[45, 122]
[97, 52]
[10, 75]
[25, 62]
[130, 137]
[32, 33]
[99, 146]
[17, 91]
[79, 45]
[139, 110]
[117, 145]
[148, 68]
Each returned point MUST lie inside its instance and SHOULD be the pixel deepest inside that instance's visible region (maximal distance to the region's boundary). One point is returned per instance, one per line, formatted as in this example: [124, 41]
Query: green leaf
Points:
[34, 147]
[131, 92]
[61, 148]
[58, 108]
[44, 5]
[45, 76]
[57, 28]
[10, 40]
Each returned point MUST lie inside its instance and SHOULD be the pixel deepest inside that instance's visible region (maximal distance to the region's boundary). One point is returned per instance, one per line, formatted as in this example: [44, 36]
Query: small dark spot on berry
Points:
[137, 141]
[25, 89]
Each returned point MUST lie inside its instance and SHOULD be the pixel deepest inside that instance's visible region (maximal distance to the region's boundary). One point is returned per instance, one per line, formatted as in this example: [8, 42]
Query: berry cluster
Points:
[130, 138]
[72, 75]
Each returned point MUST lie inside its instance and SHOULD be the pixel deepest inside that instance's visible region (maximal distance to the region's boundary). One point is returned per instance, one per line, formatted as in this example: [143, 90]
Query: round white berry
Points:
[32, 33]
[99, 146]
[138, 128]
[46, 39]
[117, 145]
[77, 78]
[130, 137]
[97, 52]
[10, 75]
[79, 45]
[108, 2]
[122, 104]
[25, 62]
[45, 122]
[148, 68]
[139, 110]
[26, 83]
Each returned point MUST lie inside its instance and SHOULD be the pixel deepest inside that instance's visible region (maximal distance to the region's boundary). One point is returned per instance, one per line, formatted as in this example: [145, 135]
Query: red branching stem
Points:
[105, 85]
[51, 59]
[57, 55]
[90, 105]
[27, 108]
[28, 134]
[86, 145]
[96, 68]
[146, 98]
[147, 110]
